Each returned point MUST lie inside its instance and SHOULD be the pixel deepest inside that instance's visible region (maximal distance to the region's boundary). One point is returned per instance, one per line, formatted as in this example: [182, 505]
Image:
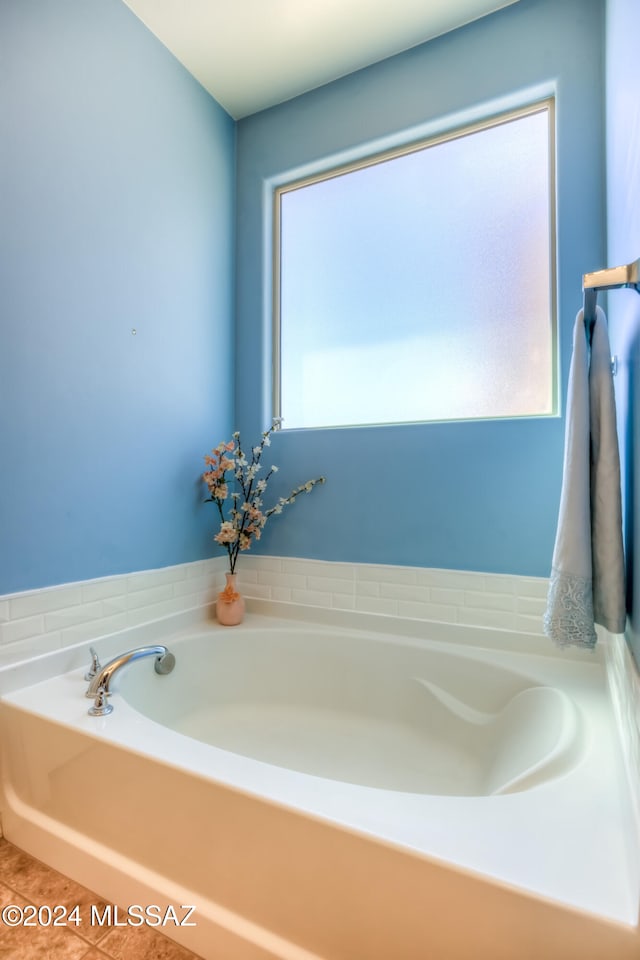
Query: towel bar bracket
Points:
[613, 278]
[610, 279]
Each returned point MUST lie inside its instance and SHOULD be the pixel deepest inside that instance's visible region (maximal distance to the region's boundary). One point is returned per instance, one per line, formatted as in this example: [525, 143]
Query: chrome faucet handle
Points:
[95, 667]
[165, 663]
[101, 706]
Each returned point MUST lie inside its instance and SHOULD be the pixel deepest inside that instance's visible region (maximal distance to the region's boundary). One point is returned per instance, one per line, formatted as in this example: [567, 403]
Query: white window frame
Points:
[539, 106]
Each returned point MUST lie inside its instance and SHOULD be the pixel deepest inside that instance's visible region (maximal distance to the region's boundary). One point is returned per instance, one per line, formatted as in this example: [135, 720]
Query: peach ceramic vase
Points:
[230, 604]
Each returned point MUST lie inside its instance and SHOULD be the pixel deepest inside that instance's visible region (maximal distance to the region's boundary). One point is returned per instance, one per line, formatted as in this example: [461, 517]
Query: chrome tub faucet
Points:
[99, 683]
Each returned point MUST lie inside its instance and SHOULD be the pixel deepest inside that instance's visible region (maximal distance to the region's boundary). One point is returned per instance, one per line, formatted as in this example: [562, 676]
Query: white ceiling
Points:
[252, 54]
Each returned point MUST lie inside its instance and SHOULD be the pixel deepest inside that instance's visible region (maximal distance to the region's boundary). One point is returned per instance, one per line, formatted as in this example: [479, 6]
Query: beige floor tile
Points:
[23, 880]
[6, 895]
[36, 942]
[142, 943]
[44, 886]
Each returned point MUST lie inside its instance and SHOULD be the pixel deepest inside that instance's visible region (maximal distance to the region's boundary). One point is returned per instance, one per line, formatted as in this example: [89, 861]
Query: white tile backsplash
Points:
[489, 600]
[275, 578]
[453, 579]
[477, 617]
[94, 628]
[333, 584]
[527, 623]
[386, 574]
[70, 616]
[148, 596]
[377, 605]
[451, 596]
[317, 568]
[416, 610]
[532, 587]
[21, 628]
[55, 617]
[624, 684]
[38, 621]
[23, 605]
[102, 589]
[498, 584]
[313, 598]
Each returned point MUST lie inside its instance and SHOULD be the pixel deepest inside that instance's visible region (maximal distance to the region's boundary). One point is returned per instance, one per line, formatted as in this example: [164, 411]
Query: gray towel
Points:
[587, 575]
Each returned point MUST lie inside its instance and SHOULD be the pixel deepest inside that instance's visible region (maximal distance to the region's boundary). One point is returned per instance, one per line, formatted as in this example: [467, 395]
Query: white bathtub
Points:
[319, 791]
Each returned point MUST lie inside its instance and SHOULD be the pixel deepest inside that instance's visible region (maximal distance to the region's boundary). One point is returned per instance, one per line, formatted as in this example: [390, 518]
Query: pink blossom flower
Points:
[245, 522]
[227, 534]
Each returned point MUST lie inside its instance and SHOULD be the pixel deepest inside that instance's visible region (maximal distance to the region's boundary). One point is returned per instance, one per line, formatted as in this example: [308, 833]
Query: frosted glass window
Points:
[419, 286]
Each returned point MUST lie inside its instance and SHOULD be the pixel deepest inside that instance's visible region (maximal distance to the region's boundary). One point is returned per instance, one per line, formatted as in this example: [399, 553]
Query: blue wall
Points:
[117, 194]
[623, 233]
[480, 495]
[117, 174]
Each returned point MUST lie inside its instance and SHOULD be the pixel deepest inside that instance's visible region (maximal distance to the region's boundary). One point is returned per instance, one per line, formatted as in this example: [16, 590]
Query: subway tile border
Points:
[451, 596]
[624, 686]
[39, 621]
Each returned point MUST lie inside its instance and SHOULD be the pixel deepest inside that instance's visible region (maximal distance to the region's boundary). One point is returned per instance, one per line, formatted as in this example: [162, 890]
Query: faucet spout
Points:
[164, 663]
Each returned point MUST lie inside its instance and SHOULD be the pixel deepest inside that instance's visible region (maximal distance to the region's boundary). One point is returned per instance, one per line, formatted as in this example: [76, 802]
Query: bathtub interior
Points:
[373, 712]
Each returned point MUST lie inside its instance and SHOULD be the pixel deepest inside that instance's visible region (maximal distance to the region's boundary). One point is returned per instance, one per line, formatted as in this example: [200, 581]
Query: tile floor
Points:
[24, 880]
